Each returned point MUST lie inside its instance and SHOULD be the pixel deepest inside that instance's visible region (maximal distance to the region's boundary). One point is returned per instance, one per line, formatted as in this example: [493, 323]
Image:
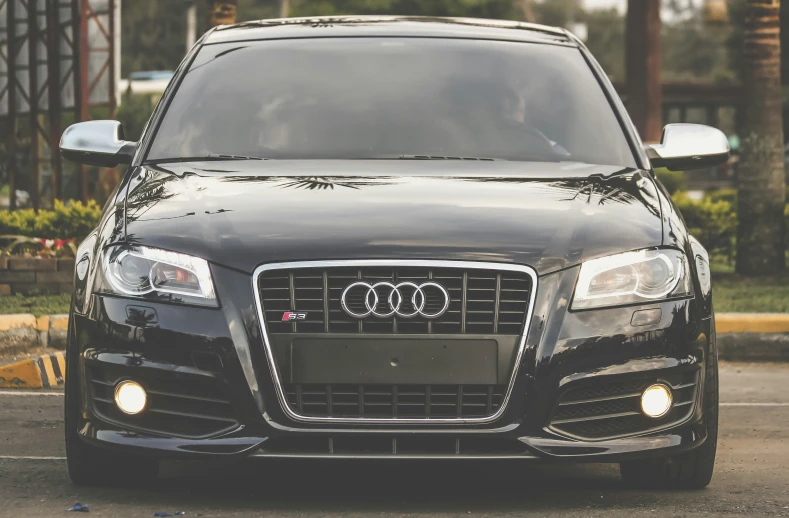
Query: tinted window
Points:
[390, 97]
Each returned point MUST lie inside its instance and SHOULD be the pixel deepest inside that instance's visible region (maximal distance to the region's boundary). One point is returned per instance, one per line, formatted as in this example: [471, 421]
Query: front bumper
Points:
[215, 396]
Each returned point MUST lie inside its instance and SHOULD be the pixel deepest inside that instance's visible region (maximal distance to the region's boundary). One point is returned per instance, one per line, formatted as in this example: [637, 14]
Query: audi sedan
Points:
[392, 238]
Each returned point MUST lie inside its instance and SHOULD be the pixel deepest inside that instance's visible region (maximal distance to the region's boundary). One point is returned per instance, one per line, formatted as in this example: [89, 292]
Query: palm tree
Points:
[761, 181]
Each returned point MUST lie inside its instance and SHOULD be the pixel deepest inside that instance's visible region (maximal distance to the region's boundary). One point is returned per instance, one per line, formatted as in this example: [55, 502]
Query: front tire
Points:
[690, 470]
[87, 464]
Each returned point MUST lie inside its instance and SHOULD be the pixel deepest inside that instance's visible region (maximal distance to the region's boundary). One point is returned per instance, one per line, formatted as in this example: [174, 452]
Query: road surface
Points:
[751, 477]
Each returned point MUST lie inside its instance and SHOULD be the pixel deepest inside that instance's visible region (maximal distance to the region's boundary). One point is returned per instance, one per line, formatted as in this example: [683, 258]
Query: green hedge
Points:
[134, 112]
[66, 220]
[673, 181]
[713, 220]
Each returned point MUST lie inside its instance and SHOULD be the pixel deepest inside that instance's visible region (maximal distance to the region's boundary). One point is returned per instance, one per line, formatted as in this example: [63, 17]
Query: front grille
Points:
[395, 401]
[196, 408]
[481, 301]
[613, 409]
[386, 446]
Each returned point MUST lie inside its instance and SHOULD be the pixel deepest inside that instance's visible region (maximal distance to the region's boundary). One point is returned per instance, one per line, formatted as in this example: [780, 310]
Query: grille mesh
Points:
[481, 301]
[384, 445]
[393, 401]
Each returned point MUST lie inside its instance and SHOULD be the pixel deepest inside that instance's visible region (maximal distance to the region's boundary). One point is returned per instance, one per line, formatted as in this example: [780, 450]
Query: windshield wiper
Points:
[205, 158]
[236, 157]
[436, 157]
[427, 157]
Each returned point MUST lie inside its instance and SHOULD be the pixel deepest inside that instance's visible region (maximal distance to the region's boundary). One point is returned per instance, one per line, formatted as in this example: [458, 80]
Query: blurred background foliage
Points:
[153, 32]
[66, 220]
[711, 218]
[693, 50]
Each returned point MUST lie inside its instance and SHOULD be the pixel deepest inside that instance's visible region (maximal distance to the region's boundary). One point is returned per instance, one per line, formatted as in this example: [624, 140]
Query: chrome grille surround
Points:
[279, 388]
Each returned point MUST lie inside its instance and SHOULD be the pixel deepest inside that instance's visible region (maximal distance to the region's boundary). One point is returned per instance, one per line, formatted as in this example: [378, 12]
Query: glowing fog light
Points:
[130, 397]
[656, 401]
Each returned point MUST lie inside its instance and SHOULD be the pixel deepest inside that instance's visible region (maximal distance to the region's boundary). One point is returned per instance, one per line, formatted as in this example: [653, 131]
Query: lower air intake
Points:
[613, 409]
[393, 401]
[191, 408]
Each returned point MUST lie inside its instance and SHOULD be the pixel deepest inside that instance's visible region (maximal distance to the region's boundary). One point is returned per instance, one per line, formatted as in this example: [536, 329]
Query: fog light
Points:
[130, 397]
[656, 401]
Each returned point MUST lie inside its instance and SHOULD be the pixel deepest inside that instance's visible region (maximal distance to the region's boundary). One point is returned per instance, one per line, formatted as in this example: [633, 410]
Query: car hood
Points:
[241, 214]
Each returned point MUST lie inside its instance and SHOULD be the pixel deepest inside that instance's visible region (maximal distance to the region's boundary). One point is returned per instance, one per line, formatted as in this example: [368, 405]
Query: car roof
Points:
[389, 26]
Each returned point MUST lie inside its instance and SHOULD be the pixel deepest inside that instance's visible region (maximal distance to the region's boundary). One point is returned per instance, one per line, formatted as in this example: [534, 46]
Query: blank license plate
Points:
[394, 361]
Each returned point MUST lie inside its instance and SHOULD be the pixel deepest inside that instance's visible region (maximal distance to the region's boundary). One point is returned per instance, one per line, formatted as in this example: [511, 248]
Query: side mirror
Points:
[97, 143]
[689, 146]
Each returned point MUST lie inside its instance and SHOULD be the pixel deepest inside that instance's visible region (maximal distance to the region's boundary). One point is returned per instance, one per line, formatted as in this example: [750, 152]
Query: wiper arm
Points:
[204, 158]
[435, 157]
[236, 157]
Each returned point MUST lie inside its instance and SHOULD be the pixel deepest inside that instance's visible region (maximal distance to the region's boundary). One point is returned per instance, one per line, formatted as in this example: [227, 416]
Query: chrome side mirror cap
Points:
[689, 146]
[98, 143]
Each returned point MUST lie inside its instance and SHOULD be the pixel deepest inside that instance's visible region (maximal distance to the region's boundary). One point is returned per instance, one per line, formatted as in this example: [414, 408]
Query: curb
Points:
[752, 322]
[43, 372]
[18, 332]
[24, 331]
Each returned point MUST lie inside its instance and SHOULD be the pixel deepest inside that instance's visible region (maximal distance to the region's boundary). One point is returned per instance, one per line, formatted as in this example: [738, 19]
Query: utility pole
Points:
[221, 12]
[284, 8]
[761, 183]
[642, 60]
[191, 25]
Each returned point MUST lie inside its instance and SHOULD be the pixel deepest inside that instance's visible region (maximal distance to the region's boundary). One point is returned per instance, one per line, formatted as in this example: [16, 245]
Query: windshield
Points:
[358, 98]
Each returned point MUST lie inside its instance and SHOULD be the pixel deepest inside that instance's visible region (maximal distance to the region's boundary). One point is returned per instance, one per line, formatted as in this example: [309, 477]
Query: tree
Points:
[642, 67]
[761, 182]
[501, 9]
[606, 40]
[557, 13]
[153, 35]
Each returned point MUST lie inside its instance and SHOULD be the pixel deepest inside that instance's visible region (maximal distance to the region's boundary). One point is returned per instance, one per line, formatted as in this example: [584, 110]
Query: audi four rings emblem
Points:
[384, 299]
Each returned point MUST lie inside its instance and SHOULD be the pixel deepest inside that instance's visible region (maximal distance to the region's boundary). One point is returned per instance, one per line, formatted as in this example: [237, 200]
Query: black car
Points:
[392, 238]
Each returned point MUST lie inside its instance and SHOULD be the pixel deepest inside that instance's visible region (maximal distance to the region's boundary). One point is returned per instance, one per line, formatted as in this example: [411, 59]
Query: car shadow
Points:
[385, 486]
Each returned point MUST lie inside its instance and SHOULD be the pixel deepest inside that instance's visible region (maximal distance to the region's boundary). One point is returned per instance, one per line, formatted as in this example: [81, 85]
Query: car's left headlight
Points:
[631, 278]
[142, 271]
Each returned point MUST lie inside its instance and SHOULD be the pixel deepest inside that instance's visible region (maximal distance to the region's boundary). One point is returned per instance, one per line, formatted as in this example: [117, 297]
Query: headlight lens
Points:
[632, 278]
[141, 271]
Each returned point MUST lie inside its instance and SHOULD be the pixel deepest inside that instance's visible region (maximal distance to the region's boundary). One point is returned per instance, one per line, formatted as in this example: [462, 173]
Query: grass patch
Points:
[732, 293]
[36, 304]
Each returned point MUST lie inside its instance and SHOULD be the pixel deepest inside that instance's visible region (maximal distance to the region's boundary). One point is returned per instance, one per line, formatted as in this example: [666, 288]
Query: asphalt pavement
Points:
[751, 476]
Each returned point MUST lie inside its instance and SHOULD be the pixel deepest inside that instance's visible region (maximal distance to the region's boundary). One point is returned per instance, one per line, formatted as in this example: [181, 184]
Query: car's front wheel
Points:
[690, 470]
[87, 464]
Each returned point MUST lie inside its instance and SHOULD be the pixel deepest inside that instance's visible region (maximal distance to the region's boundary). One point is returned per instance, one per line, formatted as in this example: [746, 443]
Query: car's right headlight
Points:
[635, 277]
[141, 271]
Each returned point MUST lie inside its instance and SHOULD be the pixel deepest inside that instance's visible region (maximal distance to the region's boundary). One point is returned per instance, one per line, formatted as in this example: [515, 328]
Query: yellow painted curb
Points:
[42, 372]
[752, 322]
[59, 322]
[42, 323]
[7, 322]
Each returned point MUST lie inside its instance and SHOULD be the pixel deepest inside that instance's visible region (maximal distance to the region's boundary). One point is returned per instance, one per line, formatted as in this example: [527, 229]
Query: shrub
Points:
[133, 114]
[714, 223]
[673, 181]
[72, 220]
[727, 195]
[786, 217]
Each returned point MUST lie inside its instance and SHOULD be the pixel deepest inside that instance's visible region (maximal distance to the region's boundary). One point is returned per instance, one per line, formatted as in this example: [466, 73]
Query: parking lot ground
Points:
[751, 477]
